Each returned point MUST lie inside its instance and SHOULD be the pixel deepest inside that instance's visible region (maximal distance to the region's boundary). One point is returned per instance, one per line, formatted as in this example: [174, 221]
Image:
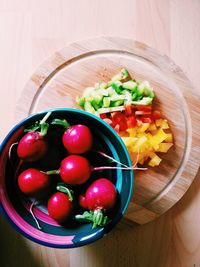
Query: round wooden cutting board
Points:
[61, 78]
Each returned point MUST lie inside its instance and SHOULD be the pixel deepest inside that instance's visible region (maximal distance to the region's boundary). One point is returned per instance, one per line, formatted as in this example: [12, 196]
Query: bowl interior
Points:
[16, 206]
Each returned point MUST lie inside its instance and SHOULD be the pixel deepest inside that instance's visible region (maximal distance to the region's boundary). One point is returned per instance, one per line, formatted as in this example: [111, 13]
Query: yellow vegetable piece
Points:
[169, 138]
[129, 141]
[155, 161]
[162, 124]
[132, 131]
[164, 147]
[158, 138]
[143, 128]
[152, 127]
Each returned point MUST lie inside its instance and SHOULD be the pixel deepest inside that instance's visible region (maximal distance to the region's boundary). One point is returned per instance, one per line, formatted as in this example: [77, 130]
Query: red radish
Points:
[101, 194]
[32, 145]
[74, 170]
[82, 202]
[60, 207]
[100, 197]
[33, 182]
[77, 139]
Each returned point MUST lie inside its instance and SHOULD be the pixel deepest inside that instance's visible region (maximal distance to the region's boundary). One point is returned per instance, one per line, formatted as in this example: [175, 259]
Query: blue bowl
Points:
[15, 206]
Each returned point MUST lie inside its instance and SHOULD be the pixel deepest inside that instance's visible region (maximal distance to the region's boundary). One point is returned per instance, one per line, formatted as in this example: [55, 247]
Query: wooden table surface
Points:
[30, 31]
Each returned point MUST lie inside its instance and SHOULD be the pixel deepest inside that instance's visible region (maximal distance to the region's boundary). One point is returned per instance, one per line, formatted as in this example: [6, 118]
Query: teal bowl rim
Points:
[103, 231]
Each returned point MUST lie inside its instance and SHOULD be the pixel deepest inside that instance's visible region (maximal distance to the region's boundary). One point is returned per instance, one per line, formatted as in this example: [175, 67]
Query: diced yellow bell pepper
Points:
[132, 132]
[158, 138]
[164, 147]
[162, 124]
[152, 127]
[169, 138]
[143, 128]
[129, 141]
[155, 161]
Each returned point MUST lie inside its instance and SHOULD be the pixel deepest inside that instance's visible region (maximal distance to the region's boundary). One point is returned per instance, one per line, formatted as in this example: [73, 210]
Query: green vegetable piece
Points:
[144, 101]
[111, 91]
[117, 103]
[88, 92]
[122, 76]
[89, 108]
[148, 92]
[80, 101]
[94, 104]
[97, 97]
[117, 86]
[106, 102]
[111, 109]
[103, 85]
[134, 96]
[130, 85]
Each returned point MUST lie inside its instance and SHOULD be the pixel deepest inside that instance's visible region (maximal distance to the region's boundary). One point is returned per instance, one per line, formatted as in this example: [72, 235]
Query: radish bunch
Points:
[75, 170]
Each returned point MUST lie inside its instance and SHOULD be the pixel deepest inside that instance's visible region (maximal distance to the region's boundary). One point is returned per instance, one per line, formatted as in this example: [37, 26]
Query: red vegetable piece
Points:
[122, 125]
[32, 147]
[128, 110]
[77, 139]
[103, 115]
[75, 170]
[139, 122]
[144, 108]
[33, 182]
[146, 119]
[156, 114]
[101, 194]
[131, 122]
[60, 207]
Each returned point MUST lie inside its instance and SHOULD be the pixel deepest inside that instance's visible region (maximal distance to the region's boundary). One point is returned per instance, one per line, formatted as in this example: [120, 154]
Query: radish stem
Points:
[10, 151]
[45, 117]
[117, 168]
[34, 203]
[109, 157]
[52, 172]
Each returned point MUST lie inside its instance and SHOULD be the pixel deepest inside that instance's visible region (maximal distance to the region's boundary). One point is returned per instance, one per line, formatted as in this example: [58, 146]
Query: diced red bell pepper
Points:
[143, 108]
[156, 114]
[103, 116]
[139, 122]
[146, 119]
[117, 128]
[128, 110]
[122, 125]
[109, 121]
[141, 112]
[131, 122]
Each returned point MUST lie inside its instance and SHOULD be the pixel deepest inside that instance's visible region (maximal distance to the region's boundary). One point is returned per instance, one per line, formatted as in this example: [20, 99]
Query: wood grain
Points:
[30, 32]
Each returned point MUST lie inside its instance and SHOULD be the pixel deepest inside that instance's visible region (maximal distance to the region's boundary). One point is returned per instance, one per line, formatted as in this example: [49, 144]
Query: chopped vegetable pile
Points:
[127, 105]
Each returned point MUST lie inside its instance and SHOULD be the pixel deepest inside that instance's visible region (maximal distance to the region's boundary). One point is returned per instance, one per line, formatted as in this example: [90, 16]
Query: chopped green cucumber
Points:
[88, 91]
[122, 75]
[80, 101]
[111, 91]
[117, 86]
[111, 109]
[106, 102]
[89, 108]
[97, 97]
[134, 96]
[100, 85]
[94, 104]
[130, 85]
[117, 103]
[144, 101]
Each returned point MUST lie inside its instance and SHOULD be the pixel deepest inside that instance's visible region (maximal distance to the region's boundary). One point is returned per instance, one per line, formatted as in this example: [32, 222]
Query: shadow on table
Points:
[13, 249]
